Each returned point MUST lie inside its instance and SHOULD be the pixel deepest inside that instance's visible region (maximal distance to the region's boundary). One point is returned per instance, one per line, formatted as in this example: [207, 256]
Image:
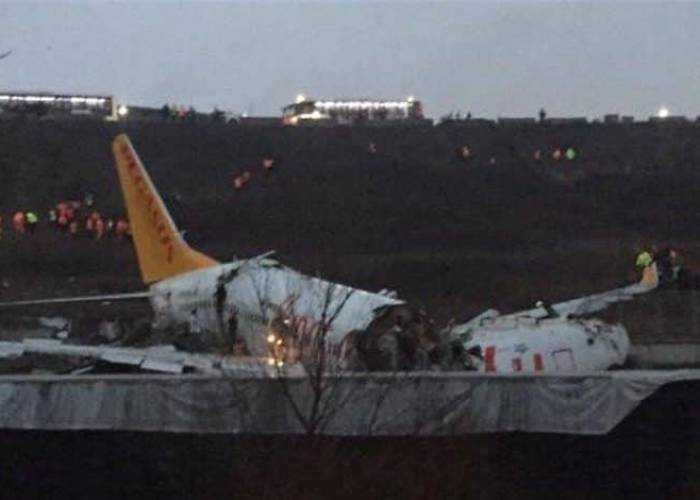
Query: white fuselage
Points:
[548, 345]
[256, 291]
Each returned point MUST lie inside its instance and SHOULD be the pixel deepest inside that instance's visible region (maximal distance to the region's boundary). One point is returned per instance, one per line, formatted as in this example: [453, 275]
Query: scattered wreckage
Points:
[279, 317]
[552, 338]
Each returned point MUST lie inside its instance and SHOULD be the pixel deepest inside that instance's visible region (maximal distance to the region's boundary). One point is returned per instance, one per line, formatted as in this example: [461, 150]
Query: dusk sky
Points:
[491, 58]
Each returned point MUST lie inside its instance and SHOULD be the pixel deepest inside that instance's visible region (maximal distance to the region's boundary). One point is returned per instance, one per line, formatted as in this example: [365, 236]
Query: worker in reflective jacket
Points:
[644, 259]
[32, 221]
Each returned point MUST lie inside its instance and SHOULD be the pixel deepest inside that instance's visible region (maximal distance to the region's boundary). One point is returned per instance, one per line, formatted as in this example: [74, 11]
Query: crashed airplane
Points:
[268, 312]
[248, 302]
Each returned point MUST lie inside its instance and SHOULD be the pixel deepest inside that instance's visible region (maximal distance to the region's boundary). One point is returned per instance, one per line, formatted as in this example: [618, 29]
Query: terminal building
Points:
[351, 111]
[60, 105]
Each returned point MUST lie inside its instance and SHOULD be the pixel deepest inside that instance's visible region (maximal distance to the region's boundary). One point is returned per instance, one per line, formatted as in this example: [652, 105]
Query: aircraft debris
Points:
[551, 338]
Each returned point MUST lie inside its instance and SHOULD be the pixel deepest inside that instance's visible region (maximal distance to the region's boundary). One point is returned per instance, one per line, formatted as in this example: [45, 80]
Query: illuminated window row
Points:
[90, 101]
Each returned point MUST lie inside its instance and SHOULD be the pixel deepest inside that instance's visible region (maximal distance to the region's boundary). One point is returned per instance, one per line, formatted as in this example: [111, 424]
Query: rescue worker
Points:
[644, 259]
[63, 221]
[99, 228]
[32, 220]
[676, 263]
[18, 222]
[121, 229]
[70, 212]
[670, 266]
[268, 163]
[61, 208]
[73, 228]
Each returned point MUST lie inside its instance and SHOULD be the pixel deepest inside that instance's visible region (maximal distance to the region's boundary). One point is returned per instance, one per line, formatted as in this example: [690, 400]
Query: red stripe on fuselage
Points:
[490, 358]
[537, 360]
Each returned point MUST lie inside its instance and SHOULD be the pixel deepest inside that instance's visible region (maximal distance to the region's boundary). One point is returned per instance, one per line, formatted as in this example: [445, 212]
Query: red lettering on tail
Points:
[151, 205]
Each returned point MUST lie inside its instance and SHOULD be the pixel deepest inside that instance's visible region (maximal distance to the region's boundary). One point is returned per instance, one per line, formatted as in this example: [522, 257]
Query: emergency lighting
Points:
[663, 112]
[300, 98]
[270, 338]
[122, 110]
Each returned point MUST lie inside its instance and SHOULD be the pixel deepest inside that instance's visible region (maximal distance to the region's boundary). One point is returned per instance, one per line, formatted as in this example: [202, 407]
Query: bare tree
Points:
[310, 348]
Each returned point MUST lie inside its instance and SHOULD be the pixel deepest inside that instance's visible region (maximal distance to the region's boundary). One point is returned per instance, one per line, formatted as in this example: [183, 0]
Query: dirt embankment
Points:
[498, 229]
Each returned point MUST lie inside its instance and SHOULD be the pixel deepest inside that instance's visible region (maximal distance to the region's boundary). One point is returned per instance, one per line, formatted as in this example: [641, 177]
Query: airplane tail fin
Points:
[160, 249]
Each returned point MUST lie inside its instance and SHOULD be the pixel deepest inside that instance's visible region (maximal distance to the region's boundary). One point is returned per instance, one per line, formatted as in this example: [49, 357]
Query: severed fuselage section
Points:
[548, 345]
[248, 301]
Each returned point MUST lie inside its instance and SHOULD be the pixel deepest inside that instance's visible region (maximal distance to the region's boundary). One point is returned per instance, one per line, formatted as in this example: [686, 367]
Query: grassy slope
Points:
[456, 236]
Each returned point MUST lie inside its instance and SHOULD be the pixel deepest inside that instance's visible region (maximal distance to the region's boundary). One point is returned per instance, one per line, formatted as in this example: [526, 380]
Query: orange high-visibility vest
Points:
[99, 228]
[19, 220]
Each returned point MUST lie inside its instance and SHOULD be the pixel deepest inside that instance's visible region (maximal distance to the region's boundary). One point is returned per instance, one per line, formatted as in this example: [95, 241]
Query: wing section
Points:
[596, 302]
[79, 300]
[159, 359]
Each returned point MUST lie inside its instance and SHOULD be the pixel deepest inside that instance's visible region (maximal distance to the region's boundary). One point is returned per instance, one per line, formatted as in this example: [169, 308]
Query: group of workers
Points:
[558, 154]
[670, 266]
[267, 164]
[177, 112]
[22, 222]
[75, 218]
